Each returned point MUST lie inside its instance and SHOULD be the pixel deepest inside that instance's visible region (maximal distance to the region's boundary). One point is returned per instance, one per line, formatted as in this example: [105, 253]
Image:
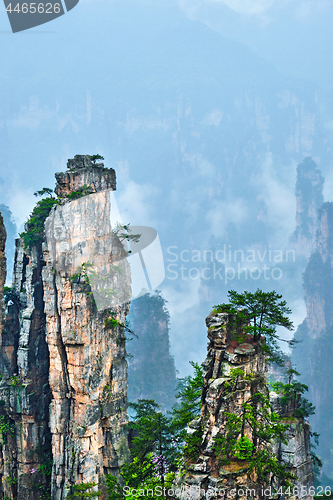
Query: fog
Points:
[203, 107]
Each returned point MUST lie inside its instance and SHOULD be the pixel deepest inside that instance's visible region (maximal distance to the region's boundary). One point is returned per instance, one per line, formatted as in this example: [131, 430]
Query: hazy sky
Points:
[203, 107]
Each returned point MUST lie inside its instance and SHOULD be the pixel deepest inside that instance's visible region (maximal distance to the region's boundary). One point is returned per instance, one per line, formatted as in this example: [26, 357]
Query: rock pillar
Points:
[234, 371]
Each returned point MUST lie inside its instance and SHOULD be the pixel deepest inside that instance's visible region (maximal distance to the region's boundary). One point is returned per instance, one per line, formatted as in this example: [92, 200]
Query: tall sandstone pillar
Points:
[63, 356]
[309, 199]
[314, 352]
[229, 348]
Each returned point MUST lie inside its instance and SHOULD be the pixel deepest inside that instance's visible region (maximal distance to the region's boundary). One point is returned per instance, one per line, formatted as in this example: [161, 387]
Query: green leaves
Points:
[290, 394]
[34, 227]
[187, 410]
[43, 191]
[267, 468]
[244, 448]
[153, 429]
[263, 311]
[189, 395]
[7, 426]
[225, 444]
[192, 445]
[82, 191]
[249, 435]
[114, 489]
[163, 439]
[151, 448]
[83, 491]
[94, 158]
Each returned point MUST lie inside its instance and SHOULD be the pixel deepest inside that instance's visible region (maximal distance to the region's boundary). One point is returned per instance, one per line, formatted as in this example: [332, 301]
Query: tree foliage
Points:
[263, 311]
[249, 435]
[124, 232]
[94, 158]
[33, 233]
[82, 191]
[43, 191]
[34, 227]
[152, 441]
[188, 410]
[83, 491]
[291, 393]
[159, 441]
[189, 397]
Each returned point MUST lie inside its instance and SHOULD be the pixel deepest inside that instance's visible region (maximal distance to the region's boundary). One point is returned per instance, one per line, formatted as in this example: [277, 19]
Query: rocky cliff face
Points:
[151, 368]
[318, 276]
[309, 199]
[25, 389]
[83, 172]
[11, 231]
[224, 394]
[313, 355]
[63, 349]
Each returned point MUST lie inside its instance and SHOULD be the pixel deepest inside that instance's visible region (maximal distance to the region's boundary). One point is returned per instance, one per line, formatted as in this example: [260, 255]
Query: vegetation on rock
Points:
[34, 227]
[7, 427]
[249, 437]
[33, 233]
[151, 371]
[187, 410]
[124, 232]
[291, 393]
[263, 311]
[83, 491]
[94, 158]
[159, 442]
[82, 191]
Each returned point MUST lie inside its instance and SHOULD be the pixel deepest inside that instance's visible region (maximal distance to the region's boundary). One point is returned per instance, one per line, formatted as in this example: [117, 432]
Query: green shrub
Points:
[94, 158]
[6, 427]
[83, 191]
[34, 227]
[83, 491]
[114, 489]
[192, 445]
[9, 480]
[244, 448]
[111, 323]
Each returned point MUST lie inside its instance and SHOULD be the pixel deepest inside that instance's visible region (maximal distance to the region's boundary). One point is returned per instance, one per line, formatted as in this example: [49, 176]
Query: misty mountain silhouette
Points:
[25, 15]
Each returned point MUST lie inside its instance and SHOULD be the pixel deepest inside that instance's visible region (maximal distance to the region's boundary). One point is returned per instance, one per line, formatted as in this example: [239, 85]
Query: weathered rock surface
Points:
[151, 368]
[88, 370]
[318, 277]
[63, 350]
[206, 476]
[82, 172]
[25, 391]
[314, 352]
[309, 199]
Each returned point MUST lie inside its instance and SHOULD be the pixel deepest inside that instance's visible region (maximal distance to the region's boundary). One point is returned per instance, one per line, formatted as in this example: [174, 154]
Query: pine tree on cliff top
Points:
[263, 311]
